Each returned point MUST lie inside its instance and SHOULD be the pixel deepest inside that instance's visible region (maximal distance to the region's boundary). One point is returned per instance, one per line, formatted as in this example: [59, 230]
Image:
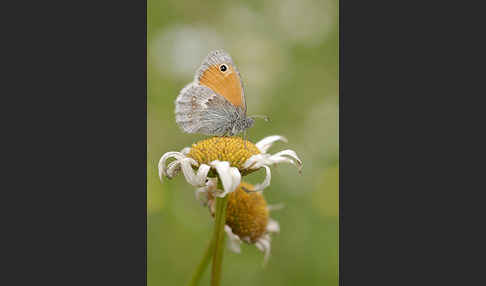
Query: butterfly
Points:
[214, 103]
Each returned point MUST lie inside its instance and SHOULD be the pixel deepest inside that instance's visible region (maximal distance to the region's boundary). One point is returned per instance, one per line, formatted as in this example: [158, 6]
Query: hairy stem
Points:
[218, 238]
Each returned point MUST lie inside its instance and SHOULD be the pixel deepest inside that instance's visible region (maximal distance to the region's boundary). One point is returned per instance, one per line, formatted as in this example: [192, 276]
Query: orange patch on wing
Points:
[226, 84]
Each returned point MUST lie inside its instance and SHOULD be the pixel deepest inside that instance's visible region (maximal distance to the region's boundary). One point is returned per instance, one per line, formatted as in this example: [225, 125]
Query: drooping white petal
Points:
[196, 179]
[234, 240]
[236, 175]
[164, 158]
[161, 167]
[173, 169]
[230, 176]
[259, 245]
[201, 195]
[266, 181]
[186, 150]
[222, 167]
[260, 160]
[293, 156]
[255, 161]
[263, 244]
[267, 142]
[202, 174]
[275, 207]
[273, 226]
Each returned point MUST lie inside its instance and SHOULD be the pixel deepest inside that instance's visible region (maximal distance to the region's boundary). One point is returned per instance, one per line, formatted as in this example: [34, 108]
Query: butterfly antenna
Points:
[264, 117]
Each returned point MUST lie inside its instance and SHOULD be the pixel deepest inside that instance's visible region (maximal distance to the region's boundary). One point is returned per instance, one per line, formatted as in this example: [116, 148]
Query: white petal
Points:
[275, 207]
[236, 175]
[230, 176]
[164, 158]
[273, 226]
[260, 160]
[222, 167]
[234, 240]
[292, 155]
[202, 174]
[186, 150]
[173, 169]
[259, 245]
[255, 161]
[266, 182]
[267, 142]
[234, 246]
[201, 194]
[196, 179]
[263, 244]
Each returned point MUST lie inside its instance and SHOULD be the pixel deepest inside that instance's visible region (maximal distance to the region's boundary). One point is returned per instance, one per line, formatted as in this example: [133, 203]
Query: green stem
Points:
[196, 276]
[218, 238]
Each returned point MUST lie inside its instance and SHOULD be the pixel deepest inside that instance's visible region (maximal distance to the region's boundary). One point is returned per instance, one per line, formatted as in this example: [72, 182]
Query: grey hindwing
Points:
[200, 110]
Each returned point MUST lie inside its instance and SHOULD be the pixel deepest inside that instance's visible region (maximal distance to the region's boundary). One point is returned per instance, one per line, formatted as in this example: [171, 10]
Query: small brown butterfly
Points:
[214, 103]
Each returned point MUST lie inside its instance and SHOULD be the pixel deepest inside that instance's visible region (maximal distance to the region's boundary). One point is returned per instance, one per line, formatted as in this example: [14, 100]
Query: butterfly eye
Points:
[223, 68]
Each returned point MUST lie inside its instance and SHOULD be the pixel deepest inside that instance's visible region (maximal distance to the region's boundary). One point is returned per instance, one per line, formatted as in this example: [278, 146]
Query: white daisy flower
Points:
[226, 158]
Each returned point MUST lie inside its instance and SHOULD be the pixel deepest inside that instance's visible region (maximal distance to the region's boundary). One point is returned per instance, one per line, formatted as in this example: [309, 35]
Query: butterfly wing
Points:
[200, 110]
[227, 82]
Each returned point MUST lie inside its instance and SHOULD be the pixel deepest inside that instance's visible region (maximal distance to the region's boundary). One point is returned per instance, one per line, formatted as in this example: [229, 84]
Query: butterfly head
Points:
[248, 122]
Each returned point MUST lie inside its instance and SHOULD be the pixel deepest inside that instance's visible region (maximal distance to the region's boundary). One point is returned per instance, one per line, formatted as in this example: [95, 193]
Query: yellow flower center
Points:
[247, 213]
[234, 150]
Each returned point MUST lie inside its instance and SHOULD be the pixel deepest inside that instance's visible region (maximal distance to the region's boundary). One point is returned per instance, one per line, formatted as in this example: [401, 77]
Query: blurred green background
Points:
[287, 54]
